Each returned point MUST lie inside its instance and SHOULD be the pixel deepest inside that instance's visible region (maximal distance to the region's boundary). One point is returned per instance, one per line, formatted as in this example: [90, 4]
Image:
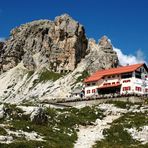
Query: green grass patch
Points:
[2, 131]
[84, 116]
[30, 73]
[60, 130]
[123, 104]
[117, 137]
[46, 75]
[131, 119]
[84, 75]
[26, 144]
[12, 111]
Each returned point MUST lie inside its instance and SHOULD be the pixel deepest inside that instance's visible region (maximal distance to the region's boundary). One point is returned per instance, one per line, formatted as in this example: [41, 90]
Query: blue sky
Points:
[125, 22]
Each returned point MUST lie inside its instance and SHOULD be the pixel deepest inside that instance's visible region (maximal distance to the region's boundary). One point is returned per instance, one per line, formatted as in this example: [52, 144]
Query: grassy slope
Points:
[59, 131]
[117, 136]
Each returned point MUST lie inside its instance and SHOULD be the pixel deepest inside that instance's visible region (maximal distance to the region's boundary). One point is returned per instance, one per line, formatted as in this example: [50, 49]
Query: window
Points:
[113, 83]
[106, 84]
[141, 69]
[126, 81]
[113, 76]
[88, 91]
[126, 75]
[138, 74]
[129, 88]
[93, 90]
[88, 84]
[146, 90]
[138, 88]
[93, 84]
[126, 88]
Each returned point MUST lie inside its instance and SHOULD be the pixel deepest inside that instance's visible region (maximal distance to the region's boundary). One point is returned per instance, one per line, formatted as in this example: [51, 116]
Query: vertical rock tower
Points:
[102, 55]
[58, 45]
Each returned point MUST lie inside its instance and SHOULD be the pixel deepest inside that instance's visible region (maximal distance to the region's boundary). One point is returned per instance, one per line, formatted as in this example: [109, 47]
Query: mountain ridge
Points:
[47, 60]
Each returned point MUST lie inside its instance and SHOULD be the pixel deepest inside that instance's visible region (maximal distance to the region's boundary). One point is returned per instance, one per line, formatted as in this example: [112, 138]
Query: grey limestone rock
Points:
[2, 112]
[101, 56]
[61, 43]
[38, 116]
[60, 46]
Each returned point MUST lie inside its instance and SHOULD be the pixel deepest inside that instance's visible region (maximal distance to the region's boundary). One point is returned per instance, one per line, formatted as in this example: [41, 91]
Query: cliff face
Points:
[43, 46]
[59, 45]
[102, 55]
[1, 45]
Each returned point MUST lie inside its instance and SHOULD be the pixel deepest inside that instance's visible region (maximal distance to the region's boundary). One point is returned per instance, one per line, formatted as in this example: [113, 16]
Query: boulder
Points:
[2, 112]
[39, 116]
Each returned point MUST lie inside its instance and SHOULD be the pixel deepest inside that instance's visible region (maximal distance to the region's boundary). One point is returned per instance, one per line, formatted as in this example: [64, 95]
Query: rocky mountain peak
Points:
[69, 26]
[64, 17]
[105, 43]
[102, 55]
[37, 52]
[58, 45]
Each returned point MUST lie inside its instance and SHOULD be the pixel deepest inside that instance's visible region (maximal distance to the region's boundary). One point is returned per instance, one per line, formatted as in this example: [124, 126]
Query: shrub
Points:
[83, 76]
[122, 104]
[2, 131]
[30, 73]
[46, 75]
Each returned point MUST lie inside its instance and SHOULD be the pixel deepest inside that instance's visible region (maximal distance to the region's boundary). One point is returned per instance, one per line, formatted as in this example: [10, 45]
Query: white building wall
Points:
[138, 83]
[111, 80]
[132, 83]
[90, 90]
[128, 82]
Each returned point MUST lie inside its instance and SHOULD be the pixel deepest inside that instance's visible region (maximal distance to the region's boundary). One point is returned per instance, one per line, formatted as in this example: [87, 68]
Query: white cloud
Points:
[130, 59]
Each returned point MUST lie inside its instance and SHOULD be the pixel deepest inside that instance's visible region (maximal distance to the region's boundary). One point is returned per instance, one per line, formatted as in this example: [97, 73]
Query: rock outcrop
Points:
[58, 45]
[39, 116]
[2, 111]
[1, 45]
[1, 53]
[101, 56]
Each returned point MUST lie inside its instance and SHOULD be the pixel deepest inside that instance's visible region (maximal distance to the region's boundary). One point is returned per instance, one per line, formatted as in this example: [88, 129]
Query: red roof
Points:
[124, 69]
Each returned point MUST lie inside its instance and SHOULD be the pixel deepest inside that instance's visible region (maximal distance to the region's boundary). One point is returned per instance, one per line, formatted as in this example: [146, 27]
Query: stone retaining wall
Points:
[132, 99]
